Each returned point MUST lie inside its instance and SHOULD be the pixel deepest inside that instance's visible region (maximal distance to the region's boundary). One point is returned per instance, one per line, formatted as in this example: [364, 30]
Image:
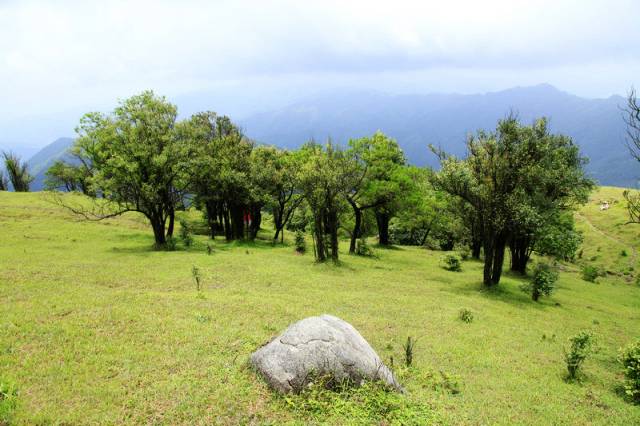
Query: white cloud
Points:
[69, 54]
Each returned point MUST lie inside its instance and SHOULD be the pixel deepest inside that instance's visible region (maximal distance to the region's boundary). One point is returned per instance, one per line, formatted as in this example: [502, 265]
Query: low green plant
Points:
[326, 401]
[623, 253]
[408, 351]
[630, 360]
[195, 273]
[209, 249]
[465, 255]
[580, 347]
[363, 248]
[186, 233]
[171, 244]
[300, 241]
[590, 273]
[543, 281]
[8, 401]
[451, 262]
[202, 318]
[465, 315]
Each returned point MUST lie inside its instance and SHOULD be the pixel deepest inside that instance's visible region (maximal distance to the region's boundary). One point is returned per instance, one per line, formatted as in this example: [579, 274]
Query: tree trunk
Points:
[494, 247]
[476, 245]
[332, 220]
[356, 227]
[237, 222]
[256, 220]
[319, 237]
[172, 218]
[488, 261]
[535, 294]
[498, 260]
[158, 231]
[425, 236]
[227, 225]
[382, 219]
[210, 208]
[519, 247]
[277, 222]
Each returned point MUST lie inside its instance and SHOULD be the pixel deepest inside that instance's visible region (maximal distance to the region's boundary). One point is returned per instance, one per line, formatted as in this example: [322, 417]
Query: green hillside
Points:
[95, 327]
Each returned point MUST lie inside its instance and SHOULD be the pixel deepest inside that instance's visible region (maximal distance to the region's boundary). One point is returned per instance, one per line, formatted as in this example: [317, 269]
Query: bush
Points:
[581, 346]
[590, 273]
[623, 253]
[465, 255]
[195, 273]
[171, 244]
[325, 401]
[465, 315]
[560, 239]
[8, 402]
[301, 243]
[630, 359]
[363, 248]
[185, 233]
[451, 262]
[543, 282]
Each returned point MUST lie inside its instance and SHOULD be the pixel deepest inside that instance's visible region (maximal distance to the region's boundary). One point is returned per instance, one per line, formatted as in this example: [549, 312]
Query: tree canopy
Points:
[513, 179]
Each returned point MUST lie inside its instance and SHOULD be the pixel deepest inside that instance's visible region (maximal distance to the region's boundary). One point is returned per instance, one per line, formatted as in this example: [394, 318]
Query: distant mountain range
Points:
[43, 159]
[440, 119]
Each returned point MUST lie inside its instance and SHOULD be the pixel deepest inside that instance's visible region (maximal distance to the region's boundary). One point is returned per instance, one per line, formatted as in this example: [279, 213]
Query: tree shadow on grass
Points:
[389, 247]
[506, 291]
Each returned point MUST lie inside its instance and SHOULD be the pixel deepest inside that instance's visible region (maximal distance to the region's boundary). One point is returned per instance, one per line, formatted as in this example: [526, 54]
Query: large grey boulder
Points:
[323, 345]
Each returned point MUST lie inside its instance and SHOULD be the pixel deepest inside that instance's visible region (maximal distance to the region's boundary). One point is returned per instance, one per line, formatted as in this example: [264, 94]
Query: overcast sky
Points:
[60, 57]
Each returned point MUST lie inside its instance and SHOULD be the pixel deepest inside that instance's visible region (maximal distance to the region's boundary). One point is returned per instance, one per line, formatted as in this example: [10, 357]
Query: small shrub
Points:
[325, 401]
[363, 248]
[8, 402]
[590, 273]
[451, 262]
[449, 383]
[209, 249]
[201, 318]
[171, 244]
[408, 351]
[630, 360]
[623, 253]
[195, 273]
[300, 241]
[543, 282]
[581, 346]
[186, 233]
[465, 315]
[465, 255]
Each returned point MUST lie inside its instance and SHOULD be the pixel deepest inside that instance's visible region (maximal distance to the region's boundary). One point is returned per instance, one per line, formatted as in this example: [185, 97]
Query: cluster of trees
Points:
[515, 188]
[17, 174]
[141, 158]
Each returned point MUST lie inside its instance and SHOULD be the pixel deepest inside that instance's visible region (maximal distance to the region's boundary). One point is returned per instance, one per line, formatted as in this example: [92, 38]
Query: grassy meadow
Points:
[96, 327]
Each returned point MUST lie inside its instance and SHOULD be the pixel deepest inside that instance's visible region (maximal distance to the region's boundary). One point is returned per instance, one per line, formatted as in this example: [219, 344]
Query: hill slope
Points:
[43, 159]
[97, 328]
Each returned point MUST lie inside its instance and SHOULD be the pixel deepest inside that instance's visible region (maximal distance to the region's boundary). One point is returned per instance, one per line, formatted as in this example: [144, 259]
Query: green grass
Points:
[95, 327]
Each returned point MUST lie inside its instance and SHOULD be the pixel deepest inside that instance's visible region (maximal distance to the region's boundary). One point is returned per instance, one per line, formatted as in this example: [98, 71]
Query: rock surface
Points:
[324, 345]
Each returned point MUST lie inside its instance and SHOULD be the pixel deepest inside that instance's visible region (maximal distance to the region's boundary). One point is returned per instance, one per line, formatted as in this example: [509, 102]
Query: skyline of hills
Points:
[444, 120]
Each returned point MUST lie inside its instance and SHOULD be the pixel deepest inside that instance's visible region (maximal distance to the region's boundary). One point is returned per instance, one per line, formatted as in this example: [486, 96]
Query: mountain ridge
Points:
[441, 119]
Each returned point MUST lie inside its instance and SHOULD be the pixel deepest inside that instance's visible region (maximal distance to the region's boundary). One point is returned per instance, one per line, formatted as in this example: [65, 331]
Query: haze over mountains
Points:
[440, 119]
